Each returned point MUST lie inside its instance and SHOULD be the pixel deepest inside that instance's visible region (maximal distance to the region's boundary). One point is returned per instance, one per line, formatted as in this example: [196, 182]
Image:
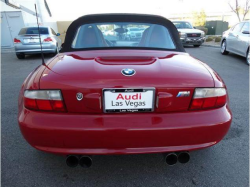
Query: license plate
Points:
[32, 40]
[128, 100]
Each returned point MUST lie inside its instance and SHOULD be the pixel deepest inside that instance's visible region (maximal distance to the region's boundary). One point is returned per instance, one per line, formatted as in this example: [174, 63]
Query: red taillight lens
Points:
[221, 101]
[17, 41]
[43, 104]
[205, 98]
[47, 100]
[209, 102]
[30, 103]
[48, 39]
[197, 103]
[57, 105]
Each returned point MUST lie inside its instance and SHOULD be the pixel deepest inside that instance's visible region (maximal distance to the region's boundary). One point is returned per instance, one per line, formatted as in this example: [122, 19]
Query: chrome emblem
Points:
[79, 96]
[183, 94]
[128, 72]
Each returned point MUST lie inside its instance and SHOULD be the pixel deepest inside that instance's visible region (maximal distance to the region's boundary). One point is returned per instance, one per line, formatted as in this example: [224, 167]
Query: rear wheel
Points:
[20, 55]
[248, 57]
[197, 45]
[223, 48]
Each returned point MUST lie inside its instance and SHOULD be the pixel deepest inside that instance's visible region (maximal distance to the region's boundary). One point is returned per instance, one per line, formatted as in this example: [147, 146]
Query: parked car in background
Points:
[27, 41]
[188, 34]
[236, 40]
[134, 33]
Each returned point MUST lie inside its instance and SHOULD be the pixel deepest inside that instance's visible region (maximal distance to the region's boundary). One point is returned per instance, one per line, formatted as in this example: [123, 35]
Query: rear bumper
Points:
[124, 133]
[32, 49]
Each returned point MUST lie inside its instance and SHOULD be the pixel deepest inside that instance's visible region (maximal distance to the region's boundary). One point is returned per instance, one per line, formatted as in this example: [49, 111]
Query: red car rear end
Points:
[122, 100]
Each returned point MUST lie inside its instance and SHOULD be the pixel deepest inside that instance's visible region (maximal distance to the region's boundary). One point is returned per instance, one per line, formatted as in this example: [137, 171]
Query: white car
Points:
[236, 40]
[134, 33]
[189, 35]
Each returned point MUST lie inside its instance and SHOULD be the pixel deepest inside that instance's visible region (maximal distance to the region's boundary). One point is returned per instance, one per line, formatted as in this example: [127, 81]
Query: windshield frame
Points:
[135, 18]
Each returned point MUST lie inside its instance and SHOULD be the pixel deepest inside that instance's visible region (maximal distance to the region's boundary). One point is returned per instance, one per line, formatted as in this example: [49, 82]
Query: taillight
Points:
[16, 41]
[205, 98]
[48, 100]
[48, 39]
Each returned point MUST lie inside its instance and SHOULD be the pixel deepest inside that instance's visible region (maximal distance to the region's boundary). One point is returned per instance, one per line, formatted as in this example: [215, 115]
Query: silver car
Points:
[189, 35]
[27, 41]
[236, 40]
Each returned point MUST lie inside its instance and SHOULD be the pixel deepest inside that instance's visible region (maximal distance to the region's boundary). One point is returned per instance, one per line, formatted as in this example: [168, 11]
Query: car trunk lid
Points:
[32, 39]
[90, 72]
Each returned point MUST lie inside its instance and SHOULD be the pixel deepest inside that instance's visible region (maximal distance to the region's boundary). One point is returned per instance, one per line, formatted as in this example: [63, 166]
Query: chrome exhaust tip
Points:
[85, 161]
[171, 159]
[183, 157]
[72, 161]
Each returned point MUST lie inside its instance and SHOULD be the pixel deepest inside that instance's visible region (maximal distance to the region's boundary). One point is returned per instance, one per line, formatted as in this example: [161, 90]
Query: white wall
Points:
[29, 19]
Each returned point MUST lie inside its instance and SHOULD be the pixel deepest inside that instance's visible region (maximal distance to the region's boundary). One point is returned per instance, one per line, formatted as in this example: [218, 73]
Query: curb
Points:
[215, 46]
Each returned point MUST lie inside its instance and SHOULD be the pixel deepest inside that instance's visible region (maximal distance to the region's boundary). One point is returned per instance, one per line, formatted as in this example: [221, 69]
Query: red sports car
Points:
[103, 94]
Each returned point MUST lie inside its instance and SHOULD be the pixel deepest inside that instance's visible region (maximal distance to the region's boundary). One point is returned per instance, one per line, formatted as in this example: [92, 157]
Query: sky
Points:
[63, 10]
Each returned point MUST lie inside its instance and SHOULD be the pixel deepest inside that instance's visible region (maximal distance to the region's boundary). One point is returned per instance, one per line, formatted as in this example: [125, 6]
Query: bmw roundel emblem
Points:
[79, 96]
[128, 72]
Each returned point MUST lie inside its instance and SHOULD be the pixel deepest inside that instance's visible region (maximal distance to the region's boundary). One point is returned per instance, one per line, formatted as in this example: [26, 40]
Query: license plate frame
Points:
[128, 90]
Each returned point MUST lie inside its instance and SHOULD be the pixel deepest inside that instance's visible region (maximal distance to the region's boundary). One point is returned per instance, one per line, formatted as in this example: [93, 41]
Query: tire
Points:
[20, 56]
[248, 57]
[197, 45]
[223, 48]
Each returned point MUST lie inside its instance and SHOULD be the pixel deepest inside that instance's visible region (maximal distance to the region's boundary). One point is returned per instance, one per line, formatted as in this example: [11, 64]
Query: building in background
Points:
[21, 13]
[210, 16]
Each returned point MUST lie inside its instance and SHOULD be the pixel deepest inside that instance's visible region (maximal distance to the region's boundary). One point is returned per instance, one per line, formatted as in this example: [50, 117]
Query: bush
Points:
[212, 37]
[218, 39]
[209, 39]
[204, 29]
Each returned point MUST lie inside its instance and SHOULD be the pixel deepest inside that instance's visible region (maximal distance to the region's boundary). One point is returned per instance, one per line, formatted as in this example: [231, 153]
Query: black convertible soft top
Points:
[140, 18]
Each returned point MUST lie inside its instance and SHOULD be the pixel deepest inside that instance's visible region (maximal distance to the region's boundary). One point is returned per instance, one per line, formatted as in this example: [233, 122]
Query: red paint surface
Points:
[85, 129]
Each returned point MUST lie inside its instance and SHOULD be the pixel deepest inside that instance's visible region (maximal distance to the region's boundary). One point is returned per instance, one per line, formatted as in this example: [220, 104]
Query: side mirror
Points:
[58, 34]
[245, 32]
[194, 27]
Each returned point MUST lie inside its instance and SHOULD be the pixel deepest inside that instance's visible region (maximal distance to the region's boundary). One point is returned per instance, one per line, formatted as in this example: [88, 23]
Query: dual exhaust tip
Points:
[172, 158]
[84, 161]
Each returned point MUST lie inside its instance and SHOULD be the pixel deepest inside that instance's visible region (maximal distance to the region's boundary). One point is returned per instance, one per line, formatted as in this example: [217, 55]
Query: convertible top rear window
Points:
[122, 31]
[122, 34]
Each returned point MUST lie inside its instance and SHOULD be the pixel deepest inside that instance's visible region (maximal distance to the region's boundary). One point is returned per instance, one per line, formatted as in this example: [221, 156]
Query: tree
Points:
[199, 18]
[240, 9]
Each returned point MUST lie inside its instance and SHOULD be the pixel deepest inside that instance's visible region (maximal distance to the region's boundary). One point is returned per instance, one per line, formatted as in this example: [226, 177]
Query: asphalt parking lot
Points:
[225, 164]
